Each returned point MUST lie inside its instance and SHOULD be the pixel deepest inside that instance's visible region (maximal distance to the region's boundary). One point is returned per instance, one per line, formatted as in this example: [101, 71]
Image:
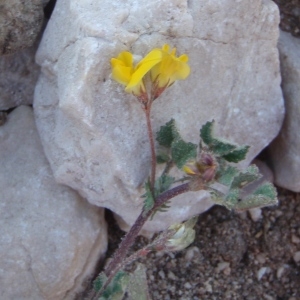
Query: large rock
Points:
[285, 150]
[18, 77]
[94, 134]
[20, 24]
[51, 239]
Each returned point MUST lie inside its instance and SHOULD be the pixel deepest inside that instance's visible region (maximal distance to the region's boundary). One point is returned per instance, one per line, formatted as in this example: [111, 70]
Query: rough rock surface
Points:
[94, 135]
[18, 77]
[50, 238]
[285, 150]
[20, 23]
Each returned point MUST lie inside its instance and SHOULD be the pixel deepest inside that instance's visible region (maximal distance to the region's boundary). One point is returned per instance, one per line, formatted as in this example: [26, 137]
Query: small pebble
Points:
[171, 275]
[162, 274]
[280, 271]
[268, 297]
[255, 214]
[295, 239]
[261, 258]
[187, 285]
[222, 266]
[296, 256]
[190, 253]
[208, 286]
[262, 271]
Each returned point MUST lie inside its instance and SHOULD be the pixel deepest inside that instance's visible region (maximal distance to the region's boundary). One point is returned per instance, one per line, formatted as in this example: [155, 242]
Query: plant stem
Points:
[129, 239]
[152, 146]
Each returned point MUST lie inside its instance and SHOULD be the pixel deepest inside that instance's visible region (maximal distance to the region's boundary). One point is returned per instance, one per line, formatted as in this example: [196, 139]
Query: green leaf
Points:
[243, 178]
[232, 198]
[116, 289]
[138, 286]
[218, 146]
[99, 281]
[228, 151]
[163, 183]
[265, 195]
[221, 148]
[206, 133]
[162, 158]
[237, 155]
[167, 134]
[182, 152]
[149, 200]
[226, 175]
[267, 190]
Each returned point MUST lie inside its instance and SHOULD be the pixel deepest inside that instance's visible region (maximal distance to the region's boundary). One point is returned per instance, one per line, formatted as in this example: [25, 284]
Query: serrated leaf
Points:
[182, 152]
[138, 287]
[163, 183]
[162, 158]
[267, 190]
[221, 148]
[206, 132]
[116, 289]
[149, 200]
[265, 195]
[227, 174]
[232, 198]
[237, 155]
[230, 152]
[167, 134]
[99, 281]
[244, 178]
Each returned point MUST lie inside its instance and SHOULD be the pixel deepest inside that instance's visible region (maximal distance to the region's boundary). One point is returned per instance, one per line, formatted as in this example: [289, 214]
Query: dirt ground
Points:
[234, 257]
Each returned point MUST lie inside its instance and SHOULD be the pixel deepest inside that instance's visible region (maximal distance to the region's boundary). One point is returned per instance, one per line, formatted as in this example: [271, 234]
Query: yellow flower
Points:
[163, 65]
[170, 68]
[143, 67]
[125, 73]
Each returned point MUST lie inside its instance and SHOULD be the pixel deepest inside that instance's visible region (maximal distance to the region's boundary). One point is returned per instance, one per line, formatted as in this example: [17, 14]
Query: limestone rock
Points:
[20, 23]
[50, 238]
[18, 77]
[285, 150]
[94, 134]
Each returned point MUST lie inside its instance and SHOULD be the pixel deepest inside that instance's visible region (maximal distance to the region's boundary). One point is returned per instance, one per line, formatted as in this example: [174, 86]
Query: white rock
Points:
[51, 239]
[94, 134]
[284, 151]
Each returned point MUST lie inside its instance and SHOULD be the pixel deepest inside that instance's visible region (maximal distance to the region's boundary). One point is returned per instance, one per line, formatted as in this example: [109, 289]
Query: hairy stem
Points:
[129, 239]
[152, 146]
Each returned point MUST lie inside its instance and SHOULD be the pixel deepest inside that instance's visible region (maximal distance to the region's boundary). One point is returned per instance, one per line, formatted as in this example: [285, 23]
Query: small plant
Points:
[209, 165]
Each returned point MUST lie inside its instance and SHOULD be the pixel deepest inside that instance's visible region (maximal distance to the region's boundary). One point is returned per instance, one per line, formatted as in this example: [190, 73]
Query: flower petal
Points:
[121, 74]
[122, 67]
[150, 60]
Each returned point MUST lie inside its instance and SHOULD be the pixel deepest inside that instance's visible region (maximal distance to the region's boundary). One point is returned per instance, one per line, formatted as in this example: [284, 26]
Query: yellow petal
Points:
[184, 58]
[188, 170]
[122, 67]
[150, 60]
[170, 68]
[166, 48]
[121, 74]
